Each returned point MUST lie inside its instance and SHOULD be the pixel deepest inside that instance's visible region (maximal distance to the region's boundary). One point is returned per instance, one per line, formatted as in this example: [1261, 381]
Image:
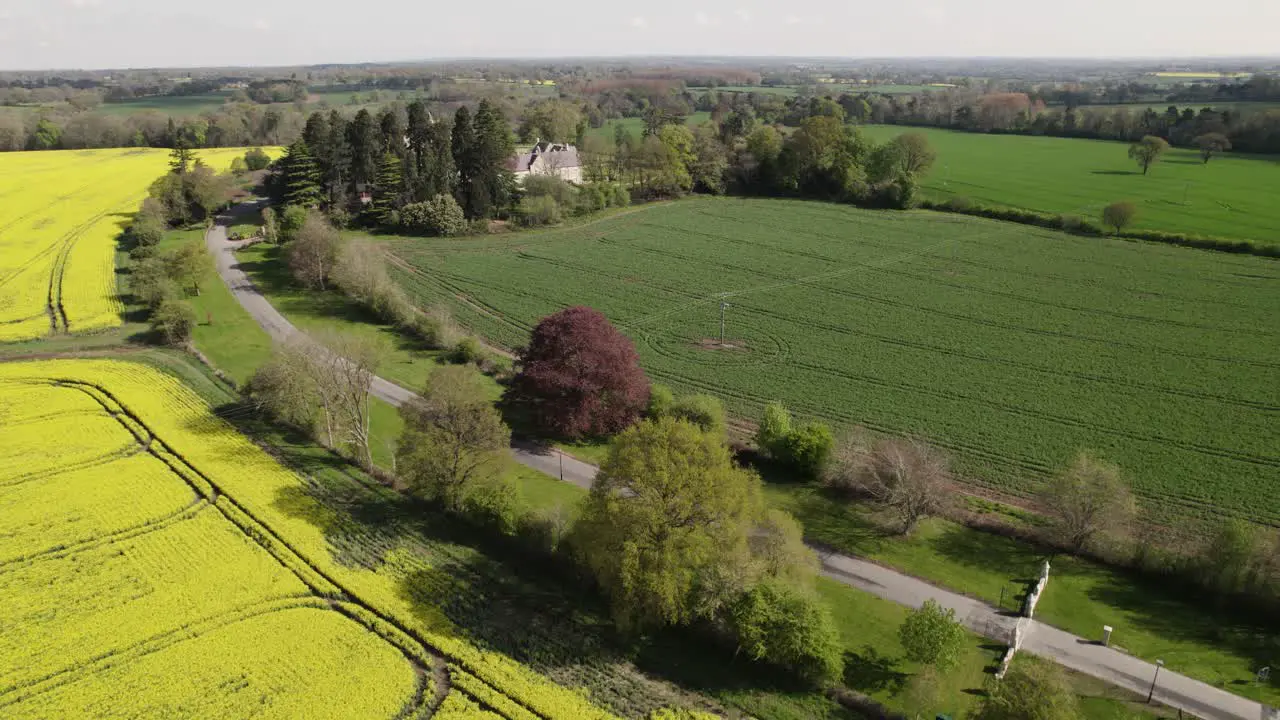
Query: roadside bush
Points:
[807, 447]
[360, 273]
[175, 320]
[440, 216]
[960, 203]
[150, 282]
[705, 411]
[788, 627]
[314, 252]
[538, 211]
[256, 159]
[774, 427]
[1032, 689]
[479, 226]
[435, 327]
[467, 351]
[290, 222]
[660, 401]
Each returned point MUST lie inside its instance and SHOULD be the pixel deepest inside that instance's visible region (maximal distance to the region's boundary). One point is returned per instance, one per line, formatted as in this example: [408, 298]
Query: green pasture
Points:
[1010, 346]
[635, 125]
[1231, 196]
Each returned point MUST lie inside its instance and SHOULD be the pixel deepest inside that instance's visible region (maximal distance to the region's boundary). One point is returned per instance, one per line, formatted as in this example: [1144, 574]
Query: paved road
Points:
[1106, 664]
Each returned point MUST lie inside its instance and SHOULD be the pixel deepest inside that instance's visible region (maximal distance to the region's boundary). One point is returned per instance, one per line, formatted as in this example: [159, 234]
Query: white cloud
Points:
[261, 25]
[793, 20]
[744, 15]
[85, 3]
[638, 23]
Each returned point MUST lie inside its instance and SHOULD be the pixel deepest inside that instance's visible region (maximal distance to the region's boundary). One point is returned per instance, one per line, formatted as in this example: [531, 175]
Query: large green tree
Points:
[365, 144]
[667, 527]
[933, 636]
[494, 146]
[300, 176]
[463, 150]
[1147, 151]
[454, 442]
[388, 191]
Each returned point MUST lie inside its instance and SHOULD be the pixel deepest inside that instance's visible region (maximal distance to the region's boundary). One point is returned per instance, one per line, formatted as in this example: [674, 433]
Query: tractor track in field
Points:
[410, 643]
[941, 350]
[147, 646]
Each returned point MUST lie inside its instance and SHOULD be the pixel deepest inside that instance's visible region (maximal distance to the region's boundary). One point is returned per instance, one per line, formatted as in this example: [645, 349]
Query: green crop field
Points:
[1232, 196]
[1011, 346]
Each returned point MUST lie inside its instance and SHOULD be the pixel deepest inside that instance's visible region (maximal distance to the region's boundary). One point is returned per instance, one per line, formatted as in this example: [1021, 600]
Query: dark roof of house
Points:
[558, 156]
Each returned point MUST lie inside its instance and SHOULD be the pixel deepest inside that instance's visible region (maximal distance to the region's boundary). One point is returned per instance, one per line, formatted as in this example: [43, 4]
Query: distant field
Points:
[172, 104]
[1011, 346]
[635, 125]
[1232, 196]
[822, 89]
[1204, 75]
[60, 215]
[1161, 105]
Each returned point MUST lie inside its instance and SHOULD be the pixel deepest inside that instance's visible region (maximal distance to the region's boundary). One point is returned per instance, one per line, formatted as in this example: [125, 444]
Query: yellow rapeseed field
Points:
[155, 563]
[60, 215]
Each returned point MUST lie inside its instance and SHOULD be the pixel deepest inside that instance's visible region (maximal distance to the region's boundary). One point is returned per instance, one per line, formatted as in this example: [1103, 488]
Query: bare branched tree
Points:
[1087, 498]
[344, 367]
[906, 475]
[324, 386]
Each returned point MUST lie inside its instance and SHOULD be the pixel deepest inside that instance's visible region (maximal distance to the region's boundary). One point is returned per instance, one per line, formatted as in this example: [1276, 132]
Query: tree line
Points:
[1256, 131]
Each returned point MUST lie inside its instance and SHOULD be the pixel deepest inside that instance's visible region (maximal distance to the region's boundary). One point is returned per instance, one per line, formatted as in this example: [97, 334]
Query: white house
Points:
[548, 159]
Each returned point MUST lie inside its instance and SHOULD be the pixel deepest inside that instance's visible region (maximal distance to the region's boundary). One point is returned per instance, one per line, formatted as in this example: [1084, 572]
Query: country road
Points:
[1178, 691]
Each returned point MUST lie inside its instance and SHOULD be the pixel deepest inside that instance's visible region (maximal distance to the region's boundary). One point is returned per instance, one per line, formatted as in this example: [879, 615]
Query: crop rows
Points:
[177, 591]
[1010, 346]
[60, 215]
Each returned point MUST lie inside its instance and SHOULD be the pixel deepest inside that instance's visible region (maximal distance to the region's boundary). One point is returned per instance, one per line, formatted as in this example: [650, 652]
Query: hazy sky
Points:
[150, 33]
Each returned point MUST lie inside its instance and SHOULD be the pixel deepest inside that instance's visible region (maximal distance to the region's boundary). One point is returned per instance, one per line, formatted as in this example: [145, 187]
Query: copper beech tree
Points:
[580, 376]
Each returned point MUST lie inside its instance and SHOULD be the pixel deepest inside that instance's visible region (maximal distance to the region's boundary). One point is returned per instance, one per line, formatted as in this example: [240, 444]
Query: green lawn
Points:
[1010, 346]
[1232, 196]
[224, 332]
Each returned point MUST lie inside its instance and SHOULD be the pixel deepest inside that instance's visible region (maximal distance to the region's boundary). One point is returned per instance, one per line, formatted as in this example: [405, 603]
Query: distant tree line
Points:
[1256, 131]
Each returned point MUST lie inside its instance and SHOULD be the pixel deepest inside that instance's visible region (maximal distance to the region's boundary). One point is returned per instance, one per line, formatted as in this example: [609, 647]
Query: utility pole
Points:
[723, 306]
